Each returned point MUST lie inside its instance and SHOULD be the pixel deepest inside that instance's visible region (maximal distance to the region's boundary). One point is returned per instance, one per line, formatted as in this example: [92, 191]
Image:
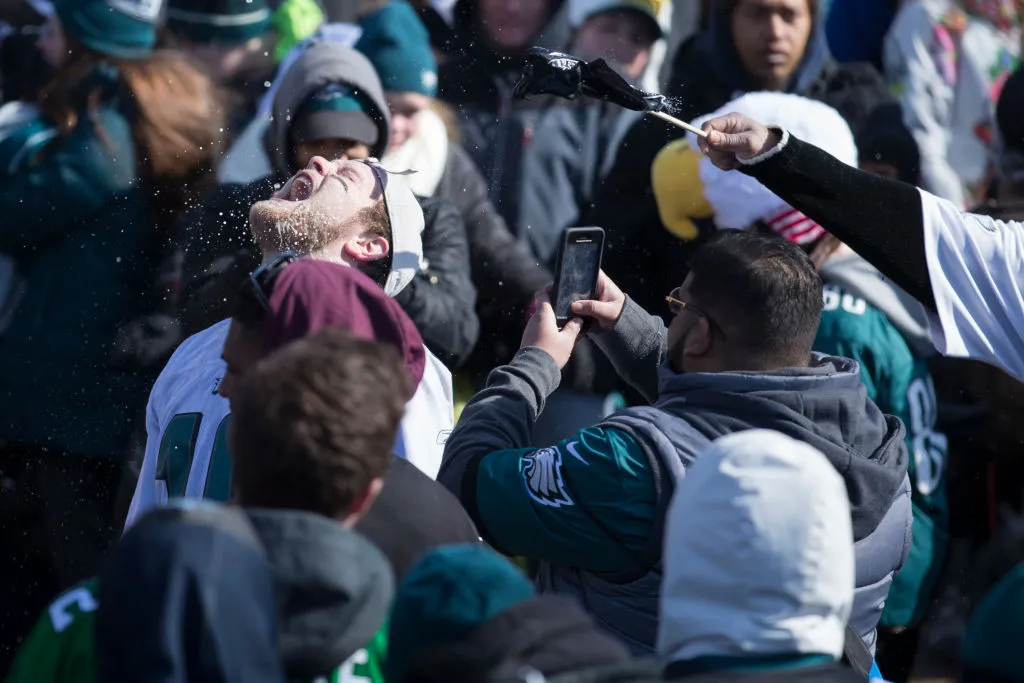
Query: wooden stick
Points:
[676, 122]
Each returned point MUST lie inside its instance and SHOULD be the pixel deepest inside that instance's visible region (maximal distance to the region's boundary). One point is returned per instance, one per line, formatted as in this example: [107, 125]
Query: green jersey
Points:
[898, 381]
[61, 647]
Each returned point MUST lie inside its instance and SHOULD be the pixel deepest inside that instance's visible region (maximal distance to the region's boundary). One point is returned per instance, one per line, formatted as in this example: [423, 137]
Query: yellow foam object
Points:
[675, 179]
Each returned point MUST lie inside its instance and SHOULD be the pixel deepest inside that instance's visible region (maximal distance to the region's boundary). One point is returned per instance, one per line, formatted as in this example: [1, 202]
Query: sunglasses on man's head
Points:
[260, 277]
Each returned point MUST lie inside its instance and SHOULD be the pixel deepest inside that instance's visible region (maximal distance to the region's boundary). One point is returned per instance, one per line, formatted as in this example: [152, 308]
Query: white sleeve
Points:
[146, 494]
[976, 268]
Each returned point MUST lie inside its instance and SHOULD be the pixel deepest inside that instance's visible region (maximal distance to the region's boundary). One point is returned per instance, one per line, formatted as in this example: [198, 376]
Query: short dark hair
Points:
[314, 422]
[764, 290]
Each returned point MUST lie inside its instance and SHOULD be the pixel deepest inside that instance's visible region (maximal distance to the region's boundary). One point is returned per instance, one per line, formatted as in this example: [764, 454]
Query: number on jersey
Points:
[929, 446]
[833, 298]
[177, 453]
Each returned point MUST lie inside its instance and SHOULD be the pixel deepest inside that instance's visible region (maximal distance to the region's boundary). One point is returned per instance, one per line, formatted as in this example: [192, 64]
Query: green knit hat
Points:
[397, 44]
[118, 28]
[991, 650]
[226, 22]
[444, 596]
[336, 111]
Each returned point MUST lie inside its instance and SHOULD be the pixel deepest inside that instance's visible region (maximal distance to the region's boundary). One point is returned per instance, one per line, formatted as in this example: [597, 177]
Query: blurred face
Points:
[338, 149]
[243, 348]
[689, 333]
[405, 107]
[511, 24]
[880, 168]
[52, 43]
[222, 62]
[316, 207]
[621, 36]
[770, 38]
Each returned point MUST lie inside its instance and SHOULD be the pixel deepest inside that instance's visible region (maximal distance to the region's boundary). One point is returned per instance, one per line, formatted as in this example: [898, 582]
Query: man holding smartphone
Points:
[736, 356]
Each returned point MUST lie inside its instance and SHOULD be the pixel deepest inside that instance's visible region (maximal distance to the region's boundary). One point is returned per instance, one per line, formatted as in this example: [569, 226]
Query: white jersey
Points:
[187, 425]
[976, 268]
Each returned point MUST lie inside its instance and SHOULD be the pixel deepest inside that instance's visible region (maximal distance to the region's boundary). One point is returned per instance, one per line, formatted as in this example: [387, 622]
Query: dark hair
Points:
[764, 291]
[314, 422]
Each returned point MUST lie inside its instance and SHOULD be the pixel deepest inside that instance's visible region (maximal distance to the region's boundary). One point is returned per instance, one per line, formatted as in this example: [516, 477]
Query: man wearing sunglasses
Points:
[736, 356]
[353, 213]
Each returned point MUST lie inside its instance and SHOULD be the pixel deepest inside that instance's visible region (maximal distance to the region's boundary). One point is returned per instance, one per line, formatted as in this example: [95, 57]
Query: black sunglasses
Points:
[259, 279]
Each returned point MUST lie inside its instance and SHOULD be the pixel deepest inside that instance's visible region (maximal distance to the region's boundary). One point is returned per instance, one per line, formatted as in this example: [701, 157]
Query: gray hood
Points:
[858, 277]
[824, 405]
[333, 589]
[322, 62]
[758, 555]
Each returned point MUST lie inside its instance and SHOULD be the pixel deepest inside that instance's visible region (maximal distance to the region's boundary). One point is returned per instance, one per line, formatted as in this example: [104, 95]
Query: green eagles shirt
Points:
[60, 649]
[898, 381]
[587, 502]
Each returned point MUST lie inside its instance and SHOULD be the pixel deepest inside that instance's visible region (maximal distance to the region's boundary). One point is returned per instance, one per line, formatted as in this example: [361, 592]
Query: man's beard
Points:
[292, 226]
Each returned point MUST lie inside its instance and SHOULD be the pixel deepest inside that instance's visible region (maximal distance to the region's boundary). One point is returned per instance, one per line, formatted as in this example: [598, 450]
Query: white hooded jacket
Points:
[758, 555]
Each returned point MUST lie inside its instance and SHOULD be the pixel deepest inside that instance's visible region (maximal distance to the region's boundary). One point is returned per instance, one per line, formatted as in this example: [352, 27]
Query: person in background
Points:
[95, 179]
[759, 568]
[424, 138]
[737, 356]
[466, 614]
[574, 146]
[748, 45]
[329, 103]
[947, 61]
[491, 38]
[223, 627]
[234, 42]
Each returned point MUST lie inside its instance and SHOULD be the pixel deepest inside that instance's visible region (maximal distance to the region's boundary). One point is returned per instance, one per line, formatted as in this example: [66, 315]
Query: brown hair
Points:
[314, 423]
[177, 119]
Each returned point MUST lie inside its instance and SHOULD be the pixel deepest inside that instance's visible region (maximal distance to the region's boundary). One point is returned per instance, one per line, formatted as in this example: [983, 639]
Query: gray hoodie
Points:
[323, 62]
[334, 589]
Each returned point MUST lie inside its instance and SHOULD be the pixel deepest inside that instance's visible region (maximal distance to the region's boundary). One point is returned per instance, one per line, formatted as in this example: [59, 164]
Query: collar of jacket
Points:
[680, 669]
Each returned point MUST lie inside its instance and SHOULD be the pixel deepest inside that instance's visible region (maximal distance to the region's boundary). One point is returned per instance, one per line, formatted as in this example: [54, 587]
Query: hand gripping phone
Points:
[576, 270]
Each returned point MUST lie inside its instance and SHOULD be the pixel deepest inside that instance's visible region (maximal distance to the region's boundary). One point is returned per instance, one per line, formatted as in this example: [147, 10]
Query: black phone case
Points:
[569, 232]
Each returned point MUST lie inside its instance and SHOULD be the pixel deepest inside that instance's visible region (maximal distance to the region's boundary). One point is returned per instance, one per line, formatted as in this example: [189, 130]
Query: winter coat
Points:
[333, 589]
[496, 128]
[440, 299]
[706, 75]
[506, 275]
[571, 151]
[547, 634]
[78, 231]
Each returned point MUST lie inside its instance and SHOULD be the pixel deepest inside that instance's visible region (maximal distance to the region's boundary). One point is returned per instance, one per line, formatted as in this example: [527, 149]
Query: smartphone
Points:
[576, 270]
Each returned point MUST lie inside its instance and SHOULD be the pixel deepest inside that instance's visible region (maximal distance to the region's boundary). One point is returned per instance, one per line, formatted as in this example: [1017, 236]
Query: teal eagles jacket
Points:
[867, 319]
[591, 508]
[76, 228]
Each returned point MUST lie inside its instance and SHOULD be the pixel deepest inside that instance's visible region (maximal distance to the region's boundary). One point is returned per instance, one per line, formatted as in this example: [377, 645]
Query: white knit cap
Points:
[581, 10]
[406, 219]
[758, 556]
[739, 200]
